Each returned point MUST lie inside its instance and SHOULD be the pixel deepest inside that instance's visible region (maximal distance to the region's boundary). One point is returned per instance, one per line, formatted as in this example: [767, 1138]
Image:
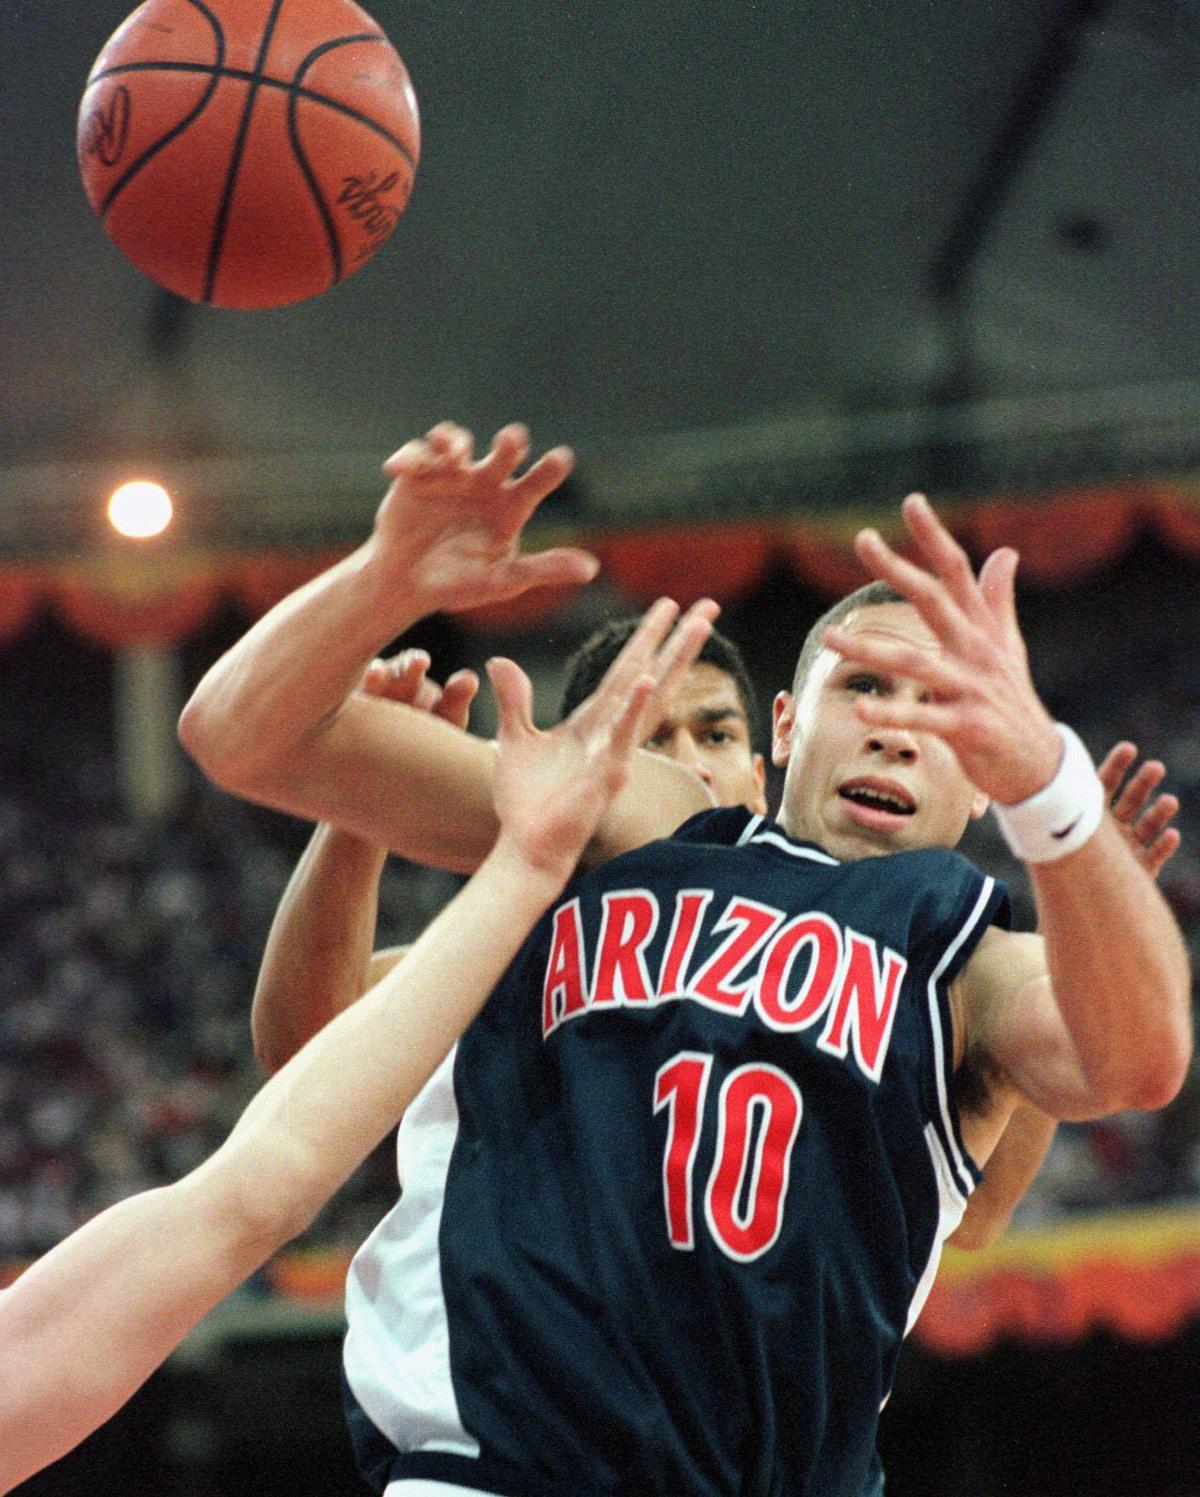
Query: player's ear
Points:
[759, 803]
[783, 723]
[979, 805]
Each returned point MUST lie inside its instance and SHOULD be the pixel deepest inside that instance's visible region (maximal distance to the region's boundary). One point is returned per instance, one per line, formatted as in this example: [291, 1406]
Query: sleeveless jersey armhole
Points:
[987, 903]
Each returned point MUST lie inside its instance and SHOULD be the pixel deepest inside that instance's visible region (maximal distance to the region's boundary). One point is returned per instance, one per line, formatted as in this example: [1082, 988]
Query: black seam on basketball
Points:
[153, 149]
[217, 242]
[243, 75]
[335, 248]
[214, 20]
[314, 187]
[328, 46]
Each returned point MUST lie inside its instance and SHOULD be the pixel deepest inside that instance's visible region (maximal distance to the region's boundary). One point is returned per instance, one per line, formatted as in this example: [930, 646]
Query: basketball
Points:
[248, 153]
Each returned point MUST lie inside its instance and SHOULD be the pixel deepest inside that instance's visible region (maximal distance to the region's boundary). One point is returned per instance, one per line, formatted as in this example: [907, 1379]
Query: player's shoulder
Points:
[1002, 961]
[947, 872]
[958, 904]
[719, 826]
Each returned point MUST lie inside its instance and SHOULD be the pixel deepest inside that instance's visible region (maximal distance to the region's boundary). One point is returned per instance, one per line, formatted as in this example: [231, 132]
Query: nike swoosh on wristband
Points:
[1066, 831]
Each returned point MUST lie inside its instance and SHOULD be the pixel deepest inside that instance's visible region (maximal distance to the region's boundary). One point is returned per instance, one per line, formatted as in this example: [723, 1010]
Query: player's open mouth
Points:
[880, 805]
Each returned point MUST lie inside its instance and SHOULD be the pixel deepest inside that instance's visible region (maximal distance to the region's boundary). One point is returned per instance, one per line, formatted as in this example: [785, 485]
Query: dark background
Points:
[720, 224]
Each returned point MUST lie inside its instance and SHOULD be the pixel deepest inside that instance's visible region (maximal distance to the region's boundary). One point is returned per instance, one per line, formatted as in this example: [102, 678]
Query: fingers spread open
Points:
[639, 650]
[457, 696]
[542, 478]
[943, 675]
[509, 449]
[514, 696]
[1161, 851]
[944, 554]
[928, 595]
[679, 653]
[1139, 789]
[560, 566]
[1116, 765]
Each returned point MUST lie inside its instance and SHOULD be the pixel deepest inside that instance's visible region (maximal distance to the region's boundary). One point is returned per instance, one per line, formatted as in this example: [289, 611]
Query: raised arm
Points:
[1017, 1158]
[318, 958]
[1105, 1023]
[278, 720]
[83, 1328]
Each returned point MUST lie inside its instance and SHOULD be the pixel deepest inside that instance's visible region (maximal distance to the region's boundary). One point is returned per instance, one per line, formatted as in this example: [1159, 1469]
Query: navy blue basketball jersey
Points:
[672, 1205]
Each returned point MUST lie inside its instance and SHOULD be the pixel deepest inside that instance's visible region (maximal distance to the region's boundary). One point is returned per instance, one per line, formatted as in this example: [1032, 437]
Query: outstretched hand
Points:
[552, 788]
[979, 697]
[451, 527]
[1145, 823]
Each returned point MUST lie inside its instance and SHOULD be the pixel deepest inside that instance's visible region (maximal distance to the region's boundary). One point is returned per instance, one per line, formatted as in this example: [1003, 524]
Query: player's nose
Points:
[685, 750]
[894, 744]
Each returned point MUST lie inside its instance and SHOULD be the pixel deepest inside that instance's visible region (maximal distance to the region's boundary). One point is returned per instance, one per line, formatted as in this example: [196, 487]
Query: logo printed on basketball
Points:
[105, 128]
[361, 197]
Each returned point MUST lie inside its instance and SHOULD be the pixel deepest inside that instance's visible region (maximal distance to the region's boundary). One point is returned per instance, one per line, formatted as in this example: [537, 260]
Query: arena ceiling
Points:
[673, 234]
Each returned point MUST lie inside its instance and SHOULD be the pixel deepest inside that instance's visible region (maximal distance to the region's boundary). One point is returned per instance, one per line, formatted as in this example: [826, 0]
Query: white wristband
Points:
[1061, 817]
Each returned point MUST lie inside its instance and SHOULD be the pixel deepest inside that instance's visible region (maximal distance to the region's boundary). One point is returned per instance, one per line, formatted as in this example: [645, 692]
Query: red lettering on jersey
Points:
[564, 994]
[753, 924]
[866, 1004]
[630, 919]
[824, 940]
[680, 1087]
[690, 905]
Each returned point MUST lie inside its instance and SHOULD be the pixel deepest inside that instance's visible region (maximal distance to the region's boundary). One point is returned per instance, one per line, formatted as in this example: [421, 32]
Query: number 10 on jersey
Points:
[758, 1113]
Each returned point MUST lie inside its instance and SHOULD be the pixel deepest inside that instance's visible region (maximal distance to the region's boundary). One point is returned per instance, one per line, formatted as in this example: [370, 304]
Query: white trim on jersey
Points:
[397, 1349]
[420, 1486]
[749, 829]
[778, 839]
[943, 1044]
[951, 1205]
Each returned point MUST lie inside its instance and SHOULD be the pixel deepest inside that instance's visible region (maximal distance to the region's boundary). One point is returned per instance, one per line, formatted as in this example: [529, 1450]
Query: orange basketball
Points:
[248, 153]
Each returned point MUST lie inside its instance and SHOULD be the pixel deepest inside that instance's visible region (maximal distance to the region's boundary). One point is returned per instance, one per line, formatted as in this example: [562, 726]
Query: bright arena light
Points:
[140, 509]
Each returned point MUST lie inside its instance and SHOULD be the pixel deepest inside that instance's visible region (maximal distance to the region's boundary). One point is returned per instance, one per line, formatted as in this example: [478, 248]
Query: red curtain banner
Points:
[140, 600]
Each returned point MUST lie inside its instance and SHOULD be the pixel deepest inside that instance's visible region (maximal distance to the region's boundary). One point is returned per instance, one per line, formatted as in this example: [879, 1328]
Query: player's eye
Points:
[717, 737]
[864, 683]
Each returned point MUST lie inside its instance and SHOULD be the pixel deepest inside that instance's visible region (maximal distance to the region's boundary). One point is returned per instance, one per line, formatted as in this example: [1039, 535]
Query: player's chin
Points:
[850, 838]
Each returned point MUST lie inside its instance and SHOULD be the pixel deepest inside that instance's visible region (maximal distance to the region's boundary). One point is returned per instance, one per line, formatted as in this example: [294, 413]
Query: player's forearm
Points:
[293, 671]
[1007, 1175]
[127, 1287]
[88, 1323]
[658, 797]
[278, 720]
[318, 1118]
[1119, 970]
[318, 952]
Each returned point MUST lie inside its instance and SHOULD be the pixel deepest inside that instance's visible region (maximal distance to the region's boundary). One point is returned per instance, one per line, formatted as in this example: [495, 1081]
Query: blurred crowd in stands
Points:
[130, 950]
[127, 966]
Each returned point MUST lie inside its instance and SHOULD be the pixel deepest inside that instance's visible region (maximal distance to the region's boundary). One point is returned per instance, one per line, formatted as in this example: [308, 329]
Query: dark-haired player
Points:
[319, 954]
[707, 1138]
